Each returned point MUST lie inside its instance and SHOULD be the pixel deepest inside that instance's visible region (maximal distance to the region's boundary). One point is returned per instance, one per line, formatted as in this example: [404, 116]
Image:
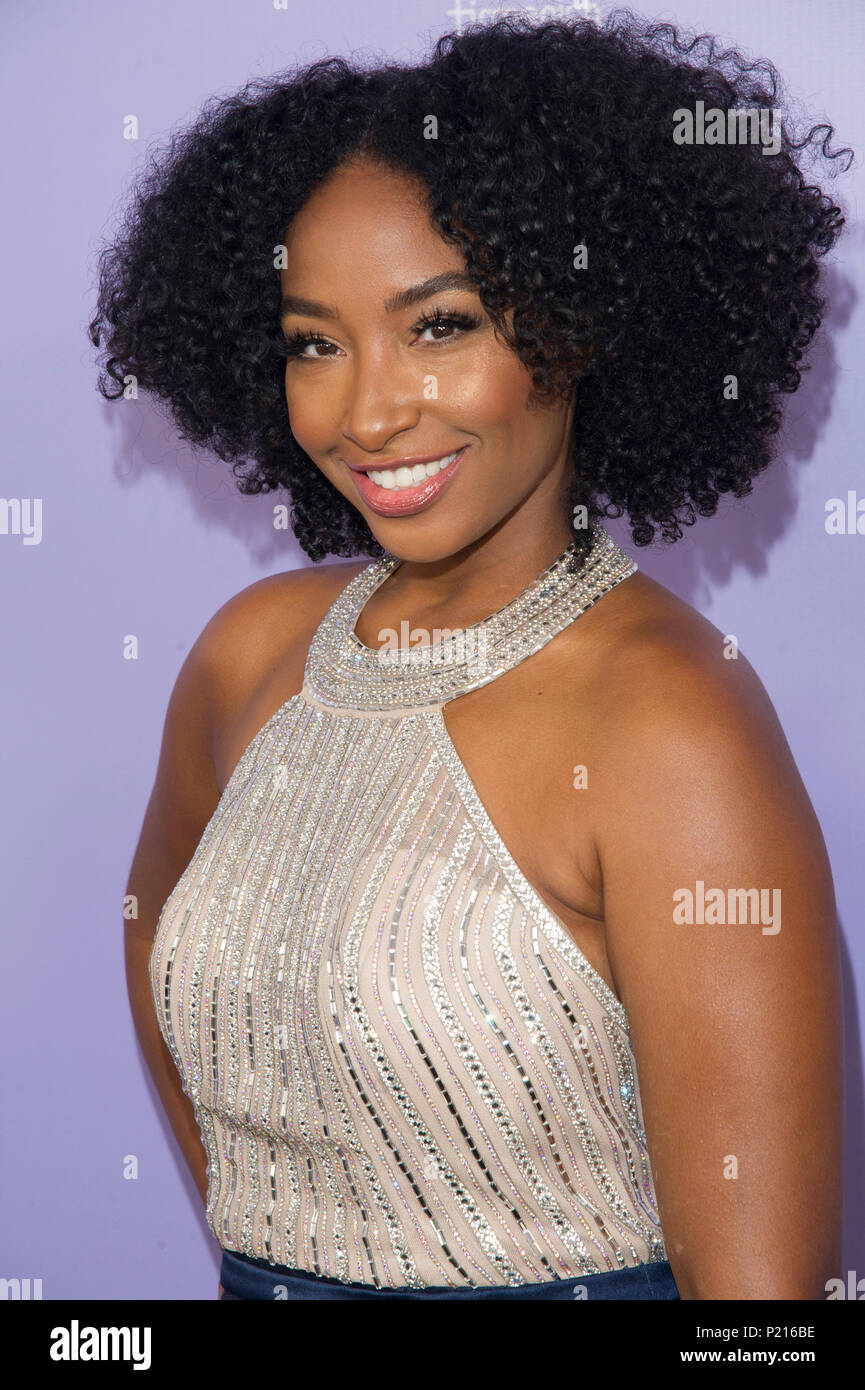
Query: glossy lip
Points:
[411, 499]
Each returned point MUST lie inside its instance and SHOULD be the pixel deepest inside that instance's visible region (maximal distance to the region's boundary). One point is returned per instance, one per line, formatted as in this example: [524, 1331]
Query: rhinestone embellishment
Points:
[343, 673]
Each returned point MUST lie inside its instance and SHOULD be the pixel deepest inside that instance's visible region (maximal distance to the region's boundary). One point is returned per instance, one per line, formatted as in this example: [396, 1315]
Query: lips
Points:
[405, 501]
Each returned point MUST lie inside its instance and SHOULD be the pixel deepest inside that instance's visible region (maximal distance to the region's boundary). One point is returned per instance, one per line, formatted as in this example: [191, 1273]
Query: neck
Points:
[484, 575]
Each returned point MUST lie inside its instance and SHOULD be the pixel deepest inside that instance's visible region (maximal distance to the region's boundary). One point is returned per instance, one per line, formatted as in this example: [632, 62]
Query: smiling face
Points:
[379, 377]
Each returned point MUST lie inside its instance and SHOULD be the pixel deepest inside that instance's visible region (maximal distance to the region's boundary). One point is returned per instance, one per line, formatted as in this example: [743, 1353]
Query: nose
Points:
[383, 398]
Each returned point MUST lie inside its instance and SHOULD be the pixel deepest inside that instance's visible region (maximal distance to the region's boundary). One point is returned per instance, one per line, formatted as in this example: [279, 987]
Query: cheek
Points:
[308, 414]
[493, 392]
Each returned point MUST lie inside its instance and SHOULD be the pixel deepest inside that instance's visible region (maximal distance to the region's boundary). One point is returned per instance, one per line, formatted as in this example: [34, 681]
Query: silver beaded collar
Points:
[343, 673]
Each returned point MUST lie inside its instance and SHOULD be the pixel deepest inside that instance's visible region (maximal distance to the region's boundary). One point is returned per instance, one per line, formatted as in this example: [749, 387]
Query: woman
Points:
[489, 927]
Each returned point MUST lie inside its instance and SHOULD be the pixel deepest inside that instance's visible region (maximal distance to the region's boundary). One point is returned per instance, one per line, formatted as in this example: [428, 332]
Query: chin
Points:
[421, 549]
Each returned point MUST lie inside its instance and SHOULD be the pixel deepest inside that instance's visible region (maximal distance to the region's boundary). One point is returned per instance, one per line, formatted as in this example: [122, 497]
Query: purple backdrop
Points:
[140, 535]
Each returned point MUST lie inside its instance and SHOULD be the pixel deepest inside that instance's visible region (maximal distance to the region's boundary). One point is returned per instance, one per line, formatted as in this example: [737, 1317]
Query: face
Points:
[387, 369]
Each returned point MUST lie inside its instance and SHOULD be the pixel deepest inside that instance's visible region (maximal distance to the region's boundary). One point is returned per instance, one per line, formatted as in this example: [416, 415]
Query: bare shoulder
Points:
[684, 755]
[254, 632]
[686, 745]
[677, 687]
[279, 602]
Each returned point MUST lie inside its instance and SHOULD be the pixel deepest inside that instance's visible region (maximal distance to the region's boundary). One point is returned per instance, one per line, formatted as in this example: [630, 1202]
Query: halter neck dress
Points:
[406, 1074]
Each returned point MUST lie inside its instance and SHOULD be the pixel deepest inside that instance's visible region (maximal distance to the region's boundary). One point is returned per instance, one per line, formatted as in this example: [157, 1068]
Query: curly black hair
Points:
[701, 260]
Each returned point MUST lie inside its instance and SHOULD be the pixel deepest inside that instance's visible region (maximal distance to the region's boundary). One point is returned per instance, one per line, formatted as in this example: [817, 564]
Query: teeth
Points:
[396, 479]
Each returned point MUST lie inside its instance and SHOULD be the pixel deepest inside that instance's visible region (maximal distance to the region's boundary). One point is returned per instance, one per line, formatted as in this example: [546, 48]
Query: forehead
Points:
[366, 223]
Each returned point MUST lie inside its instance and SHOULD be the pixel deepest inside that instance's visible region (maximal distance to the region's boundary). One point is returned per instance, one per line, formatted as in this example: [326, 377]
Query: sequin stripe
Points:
[472, 873]
[456, 1022]
[462, 868]
[167, 972]
[644, 1192]
[558, 1205]
[171, 972]
[523, 1056]
[197, 868]
[608, 1114]
[567, 1092]
[513, 875]
[256, 754]
[619, 1042]
[273, 1202]
[385, 750]
[206, 1046]
[215, 1030]
[180, 1020]
[259, 797]
[537, 909]
[380, 752]
[292, 781]
[411, 875]
[359, 1017]
[620, 1051]
[421, 1026]
[287, 834]
[211, 1149]
[323, 777]
[504, 1196]
[465, 867]
[301, 778]
[238, 885]
[314, 793]
[576, 1032]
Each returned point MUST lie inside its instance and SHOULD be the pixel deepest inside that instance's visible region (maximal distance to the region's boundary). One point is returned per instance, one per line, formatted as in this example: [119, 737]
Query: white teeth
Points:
[398, 478]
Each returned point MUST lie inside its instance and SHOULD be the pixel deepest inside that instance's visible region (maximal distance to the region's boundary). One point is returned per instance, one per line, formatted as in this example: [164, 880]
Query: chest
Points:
[534, 762]
[531, 745]
[354, 861]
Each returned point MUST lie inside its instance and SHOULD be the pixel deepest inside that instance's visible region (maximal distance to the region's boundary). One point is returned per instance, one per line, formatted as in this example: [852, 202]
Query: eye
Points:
[436, 318]
[296, 342]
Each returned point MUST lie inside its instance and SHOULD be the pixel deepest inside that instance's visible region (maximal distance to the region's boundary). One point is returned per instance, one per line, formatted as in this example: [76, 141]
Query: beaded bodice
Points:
[405, 1072]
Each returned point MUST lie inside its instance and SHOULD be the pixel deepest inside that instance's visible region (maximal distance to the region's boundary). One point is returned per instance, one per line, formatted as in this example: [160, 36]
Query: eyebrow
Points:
[450, 280]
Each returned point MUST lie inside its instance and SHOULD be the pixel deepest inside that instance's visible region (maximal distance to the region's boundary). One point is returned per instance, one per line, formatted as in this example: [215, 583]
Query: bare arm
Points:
[184, 796]
[736, 1027]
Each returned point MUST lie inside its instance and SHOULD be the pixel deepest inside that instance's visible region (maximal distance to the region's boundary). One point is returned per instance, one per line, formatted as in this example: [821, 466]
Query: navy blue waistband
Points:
[243, 1277]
